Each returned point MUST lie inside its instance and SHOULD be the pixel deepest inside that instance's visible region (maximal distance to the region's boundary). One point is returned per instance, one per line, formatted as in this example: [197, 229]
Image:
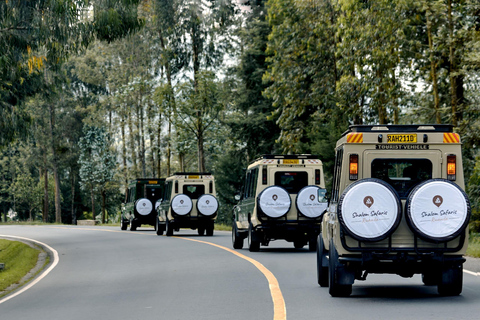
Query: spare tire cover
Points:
[438, 210]
[181, 204]
[274, 201]
[143, 206]
[369, 210]
[307, 202]
[207, 205]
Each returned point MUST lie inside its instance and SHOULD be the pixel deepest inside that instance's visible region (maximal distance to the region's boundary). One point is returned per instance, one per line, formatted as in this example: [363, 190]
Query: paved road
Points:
[104, 273]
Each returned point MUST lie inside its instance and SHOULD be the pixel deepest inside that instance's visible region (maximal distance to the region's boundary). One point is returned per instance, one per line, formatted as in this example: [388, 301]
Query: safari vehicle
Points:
[141, 199]
[283, 198]
[189, 202]
[398, 206]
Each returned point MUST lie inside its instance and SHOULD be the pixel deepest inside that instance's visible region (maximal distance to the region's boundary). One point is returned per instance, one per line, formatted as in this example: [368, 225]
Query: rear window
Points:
[194, 191]
[291, 181]
[402, 174]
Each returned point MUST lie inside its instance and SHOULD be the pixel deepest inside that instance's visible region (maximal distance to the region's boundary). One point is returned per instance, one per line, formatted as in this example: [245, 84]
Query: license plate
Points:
[152, 182]
[401, 138]
[290, 161]
[193, 177]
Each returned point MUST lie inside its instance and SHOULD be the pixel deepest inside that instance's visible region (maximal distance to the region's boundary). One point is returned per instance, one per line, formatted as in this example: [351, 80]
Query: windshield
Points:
[291, 181]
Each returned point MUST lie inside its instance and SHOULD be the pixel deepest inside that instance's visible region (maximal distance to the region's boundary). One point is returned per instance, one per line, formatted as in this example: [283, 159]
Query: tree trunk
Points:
[74, 216]
[45, 189]
[124, 156]
[142, 139]
[452, 67]
[201, 154]
[58, 209]
[133, 150]
[433, 71]
[104, 201]
[159, 140]
[92, 198]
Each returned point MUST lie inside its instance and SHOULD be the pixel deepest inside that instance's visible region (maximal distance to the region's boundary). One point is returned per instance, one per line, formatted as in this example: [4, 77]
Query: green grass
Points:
[19, 258]
[474, 246]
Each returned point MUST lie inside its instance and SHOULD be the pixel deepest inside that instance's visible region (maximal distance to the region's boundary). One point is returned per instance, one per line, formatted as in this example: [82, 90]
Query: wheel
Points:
[322, 271]
[334, 274]
[237, 241]
[133, 225]
[169, 228]
[312, 244]
[159, 228]
[298, 244]
[209, 229]
[201, 231]
[451, 281]
[253, 242]
[123, 224]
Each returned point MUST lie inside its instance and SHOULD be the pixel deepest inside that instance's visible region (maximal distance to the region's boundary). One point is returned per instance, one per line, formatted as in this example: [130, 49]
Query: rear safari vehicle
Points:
[283, 198]
[189, 202]
[398, 206]
[142, 198]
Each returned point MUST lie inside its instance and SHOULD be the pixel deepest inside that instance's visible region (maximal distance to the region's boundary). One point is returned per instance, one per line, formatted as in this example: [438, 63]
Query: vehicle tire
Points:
[123, 224]
[437, 210]
[369, 210]
[159, 228]
[253, 242]
[334, 273]
[209, 229]
[312, 244]
[237, 241]
[298, 244]
[169, 228]
[201, 231]
[322, 271]
[133, 225]
[451, 281]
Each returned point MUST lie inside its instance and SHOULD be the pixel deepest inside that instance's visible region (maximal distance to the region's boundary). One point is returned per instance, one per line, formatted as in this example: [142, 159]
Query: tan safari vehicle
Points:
[189, 202]
[283, 198]
[398, 206]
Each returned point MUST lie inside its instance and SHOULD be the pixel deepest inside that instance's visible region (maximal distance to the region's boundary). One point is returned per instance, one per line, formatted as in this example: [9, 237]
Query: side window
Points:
[247, 185]
[337, 174]
[253, 182]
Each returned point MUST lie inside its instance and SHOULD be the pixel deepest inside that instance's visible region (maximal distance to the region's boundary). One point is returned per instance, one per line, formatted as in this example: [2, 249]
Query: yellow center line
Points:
[279, 309]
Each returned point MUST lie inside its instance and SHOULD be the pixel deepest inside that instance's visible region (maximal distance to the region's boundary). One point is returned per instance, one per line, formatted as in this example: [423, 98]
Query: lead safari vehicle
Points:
[189, 202]
[398, 206]
[283, 198]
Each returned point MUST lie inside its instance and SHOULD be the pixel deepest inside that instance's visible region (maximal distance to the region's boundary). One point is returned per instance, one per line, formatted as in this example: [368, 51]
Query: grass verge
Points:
[474, 245]
[19, 258]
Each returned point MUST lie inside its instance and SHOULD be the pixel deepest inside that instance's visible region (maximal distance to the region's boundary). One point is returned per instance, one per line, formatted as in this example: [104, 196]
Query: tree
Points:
[97, 164]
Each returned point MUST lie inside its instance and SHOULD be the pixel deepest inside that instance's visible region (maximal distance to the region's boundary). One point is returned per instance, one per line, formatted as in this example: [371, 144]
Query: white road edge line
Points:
[40, 277]
[476, 274]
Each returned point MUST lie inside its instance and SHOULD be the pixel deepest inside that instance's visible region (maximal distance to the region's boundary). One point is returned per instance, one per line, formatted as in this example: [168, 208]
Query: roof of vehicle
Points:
[400, 128]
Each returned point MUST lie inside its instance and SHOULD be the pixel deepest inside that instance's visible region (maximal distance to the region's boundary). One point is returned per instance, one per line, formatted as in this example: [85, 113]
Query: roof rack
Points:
[192, 174]
[400, 128]
[287, 156]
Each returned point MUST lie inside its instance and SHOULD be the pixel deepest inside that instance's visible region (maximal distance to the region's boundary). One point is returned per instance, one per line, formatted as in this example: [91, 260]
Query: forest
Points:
[95, 93]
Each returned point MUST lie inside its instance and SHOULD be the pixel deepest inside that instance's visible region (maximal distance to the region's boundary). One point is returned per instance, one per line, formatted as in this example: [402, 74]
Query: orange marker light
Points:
[353, 166]
[451, 167]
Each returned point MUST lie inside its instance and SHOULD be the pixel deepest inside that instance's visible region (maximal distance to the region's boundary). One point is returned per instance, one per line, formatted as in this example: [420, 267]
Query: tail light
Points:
[317, 176]
[264, 175]
[210, 189]
[451, 167]
[353, 166]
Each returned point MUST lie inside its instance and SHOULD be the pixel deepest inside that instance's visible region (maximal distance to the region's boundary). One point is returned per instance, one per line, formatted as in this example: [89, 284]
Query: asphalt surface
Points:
[104, 273]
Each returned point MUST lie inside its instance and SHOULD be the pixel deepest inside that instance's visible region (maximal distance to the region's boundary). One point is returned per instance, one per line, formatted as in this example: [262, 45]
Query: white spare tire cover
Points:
[438, 210]
[181, 204]
[307, 202]
[274, 201]
[369, 210]
[207, 205]
[143, 206]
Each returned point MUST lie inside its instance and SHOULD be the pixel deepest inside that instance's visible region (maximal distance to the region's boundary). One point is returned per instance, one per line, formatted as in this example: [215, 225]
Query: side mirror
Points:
[322, 196]
[237, 197]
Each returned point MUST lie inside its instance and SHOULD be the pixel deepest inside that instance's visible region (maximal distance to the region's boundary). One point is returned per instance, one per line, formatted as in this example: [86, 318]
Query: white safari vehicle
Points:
[283, 198]
[189, 202]
[398, 206]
